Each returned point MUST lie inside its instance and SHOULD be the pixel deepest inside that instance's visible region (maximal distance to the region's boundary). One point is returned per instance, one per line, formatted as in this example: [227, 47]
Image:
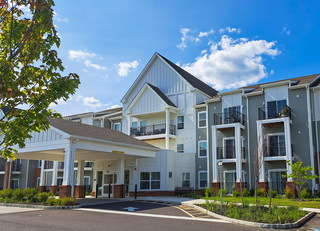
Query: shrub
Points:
[224, 192]
[235, 193]
[6, 195]
[246, 192]
[288, 193]
[203, 192]
[274, 193]
[261, 192]
[43, 197]
[64, 201]
[208, 192]
[304, 194]
[18, 195]
[31, 194]
[50, 201]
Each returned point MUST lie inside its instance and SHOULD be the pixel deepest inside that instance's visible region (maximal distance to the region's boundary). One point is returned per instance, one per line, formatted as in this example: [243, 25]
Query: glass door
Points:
[229, 182]
[109, 180]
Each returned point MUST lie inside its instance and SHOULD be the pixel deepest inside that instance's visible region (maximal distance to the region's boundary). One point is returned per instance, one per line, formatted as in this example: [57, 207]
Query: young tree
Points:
[30, 71]
[300, 175]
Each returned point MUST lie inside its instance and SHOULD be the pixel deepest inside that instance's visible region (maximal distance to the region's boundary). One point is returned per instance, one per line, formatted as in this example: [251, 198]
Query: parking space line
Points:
[152, 215]
[184, 211]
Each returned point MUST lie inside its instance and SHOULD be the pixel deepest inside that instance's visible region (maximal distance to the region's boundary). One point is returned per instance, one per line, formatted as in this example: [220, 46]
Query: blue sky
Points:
[227, 44]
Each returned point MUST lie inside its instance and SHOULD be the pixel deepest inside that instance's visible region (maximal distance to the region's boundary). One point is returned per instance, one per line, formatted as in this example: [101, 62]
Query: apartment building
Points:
[259, 130]
[173, 131]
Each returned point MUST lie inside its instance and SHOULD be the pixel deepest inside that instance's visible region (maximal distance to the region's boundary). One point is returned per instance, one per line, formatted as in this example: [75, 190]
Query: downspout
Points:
[27, 173]
[317, 137]
[208, 149]
[248, 137]
[310, 134]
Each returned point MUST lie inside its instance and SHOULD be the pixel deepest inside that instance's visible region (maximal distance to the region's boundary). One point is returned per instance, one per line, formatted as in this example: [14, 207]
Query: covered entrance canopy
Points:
[69, 141]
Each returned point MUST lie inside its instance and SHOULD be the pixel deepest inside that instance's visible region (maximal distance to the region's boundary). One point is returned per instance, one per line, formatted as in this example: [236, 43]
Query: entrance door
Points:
[278, 182]
[126, 181]
[110, 179]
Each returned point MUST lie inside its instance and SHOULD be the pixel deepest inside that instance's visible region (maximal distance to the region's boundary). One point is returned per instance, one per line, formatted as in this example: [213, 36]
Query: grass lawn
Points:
[307, 203]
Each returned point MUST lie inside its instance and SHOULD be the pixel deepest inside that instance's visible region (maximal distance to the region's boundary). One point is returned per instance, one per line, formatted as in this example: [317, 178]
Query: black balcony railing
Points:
[155, 129]
[229, 152]
[228, 118]
[276, 149]
[271, 113]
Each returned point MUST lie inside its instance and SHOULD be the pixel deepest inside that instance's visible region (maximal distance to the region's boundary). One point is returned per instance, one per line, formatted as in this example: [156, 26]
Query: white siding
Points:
[147, 102]
[44, 136]
[162, 76]
[231, 100]
[317, 105]
[276, 93]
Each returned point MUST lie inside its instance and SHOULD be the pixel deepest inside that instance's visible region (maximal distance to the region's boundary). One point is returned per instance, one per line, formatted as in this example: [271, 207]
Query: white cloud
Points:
[233, 63]
[59, 102]
[205, 34]
[230, 30]
[91, 102]
[204, 51]
[184, 38]
[124, 68]
[114, 106]
[271, 72]
[286, 30]
[88, 63]
[80, 55]
[79, 97]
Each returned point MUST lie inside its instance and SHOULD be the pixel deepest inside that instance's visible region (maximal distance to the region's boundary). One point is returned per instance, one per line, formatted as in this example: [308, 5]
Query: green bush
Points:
[50, 201]
[235, 193]
[18, 195]
[65, 201]
[274, 193]
[245, 192]
[203, 192]
[288, 193]
[261, 192]
[208, 192]
[6, 195]
[304, 194]
[43, 197]
[31, 194]
[224, 192]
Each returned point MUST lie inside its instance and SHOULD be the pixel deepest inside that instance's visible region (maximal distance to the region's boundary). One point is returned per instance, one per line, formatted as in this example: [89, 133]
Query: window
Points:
[180, 148]
[202, 179]
[117, 127]
[134, 124]
[275, 108]
[14, 184]
[180, 122]
[276, 145]
[229, 148]
[202, 149]
[150, 180]
[97, 123]
[39, 163]
[59, 181]
[60, 165]
[185, 179]
[143, 123]
[38, 181]
[202, 119]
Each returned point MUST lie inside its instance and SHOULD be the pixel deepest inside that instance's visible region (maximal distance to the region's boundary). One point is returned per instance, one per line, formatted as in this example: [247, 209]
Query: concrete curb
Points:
[39, 206]
[254, 224]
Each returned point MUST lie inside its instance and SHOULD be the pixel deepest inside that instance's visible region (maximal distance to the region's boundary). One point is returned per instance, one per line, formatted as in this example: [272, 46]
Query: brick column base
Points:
[54, 189]
[237, 186]
[290, 186]
[79, 191]
[93, 194]
[7, 174]
[117, 191]
[64, 191]
[263, 186]
[215, 186]
[42, 189]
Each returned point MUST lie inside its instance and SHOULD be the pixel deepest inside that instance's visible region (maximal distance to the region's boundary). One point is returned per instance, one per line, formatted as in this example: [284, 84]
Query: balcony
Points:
[228, 118]
[271, 113]
[155, 129]
[227, 153]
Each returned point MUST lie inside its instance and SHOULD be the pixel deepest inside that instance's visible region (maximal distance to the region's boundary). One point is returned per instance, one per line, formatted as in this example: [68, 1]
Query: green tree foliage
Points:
[31, 73]
[300, 175]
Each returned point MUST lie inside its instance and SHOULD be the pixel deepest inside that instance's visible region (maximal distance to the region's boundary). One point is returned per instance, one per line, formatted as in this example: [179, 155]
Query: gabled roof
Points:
[161, 95]
[195, 82]
[89, 131]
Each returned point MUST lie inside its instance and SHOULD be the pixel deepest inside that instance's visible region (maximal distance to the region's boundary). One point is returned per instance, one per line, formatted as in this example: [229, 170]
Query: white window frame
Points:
[267, 141]
[199, 173]
[182, 149]
[180, 123]
[275, 170]
[202, 112]
[202, 141]
[233, 171]
[150, 173]
[114, 126]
